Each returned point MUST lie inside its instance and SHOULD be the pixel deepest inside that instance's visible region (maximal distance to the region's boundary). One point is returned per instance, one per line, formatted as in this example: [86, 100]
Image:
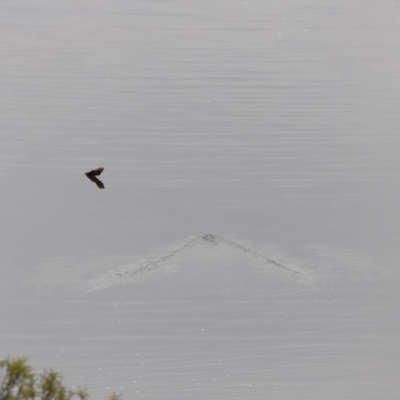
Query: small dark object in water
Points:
[95, 172]
[210, 237]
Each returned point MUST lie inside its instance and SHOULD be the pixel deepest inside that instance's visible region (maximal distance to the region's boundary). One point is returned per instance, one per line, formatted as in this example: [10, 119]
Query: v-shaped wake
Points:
[116, 277]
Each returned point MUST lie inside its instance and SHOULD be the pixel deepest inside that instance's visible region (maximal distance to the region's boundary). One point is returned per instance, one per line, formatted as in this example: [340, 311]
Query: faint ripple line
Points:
[114, 277]
[246, 250]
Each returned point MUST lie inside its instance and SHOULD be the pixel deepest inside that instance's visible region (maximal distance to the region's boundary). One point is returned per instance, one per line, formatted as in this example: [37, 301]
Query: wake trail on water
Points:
[130, 273]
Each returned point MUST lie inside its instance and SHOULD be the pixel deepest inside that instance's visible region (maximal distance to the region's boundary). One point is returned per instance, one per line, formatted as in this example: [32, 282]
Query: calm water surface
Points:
[271, 125]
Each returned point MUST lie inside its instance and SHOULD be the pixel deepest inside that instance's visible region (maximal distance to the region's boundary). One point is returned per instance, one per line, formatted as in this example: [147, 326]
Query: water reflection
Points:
[98, 182]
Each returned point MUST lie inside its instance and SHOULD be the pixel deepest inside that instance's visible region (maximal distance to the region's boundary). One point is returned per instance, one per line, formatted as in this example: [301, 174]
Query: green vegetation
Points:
[19, 382]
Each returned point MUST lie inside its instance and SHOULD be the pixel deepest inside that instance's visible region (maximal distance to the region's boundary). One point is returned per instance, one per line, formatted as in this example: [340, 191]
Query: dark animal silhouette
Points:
[92, 176]
[95, 172]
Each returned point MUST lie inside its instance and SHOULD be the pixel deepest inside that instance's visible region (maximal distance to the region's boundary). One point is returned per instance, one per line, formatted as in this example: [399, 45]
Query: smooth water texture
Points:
[246, 243]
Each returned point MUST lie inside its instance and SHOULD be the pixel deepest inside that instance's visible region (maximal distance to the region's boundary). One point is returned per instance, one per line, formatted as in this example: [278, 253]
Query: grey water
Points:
[246, 243]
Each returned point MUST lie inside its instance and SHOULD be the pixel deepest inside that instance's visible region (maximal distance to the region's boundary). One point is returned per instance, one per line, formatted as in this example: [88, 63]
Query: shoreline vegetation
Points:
[18, 381]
